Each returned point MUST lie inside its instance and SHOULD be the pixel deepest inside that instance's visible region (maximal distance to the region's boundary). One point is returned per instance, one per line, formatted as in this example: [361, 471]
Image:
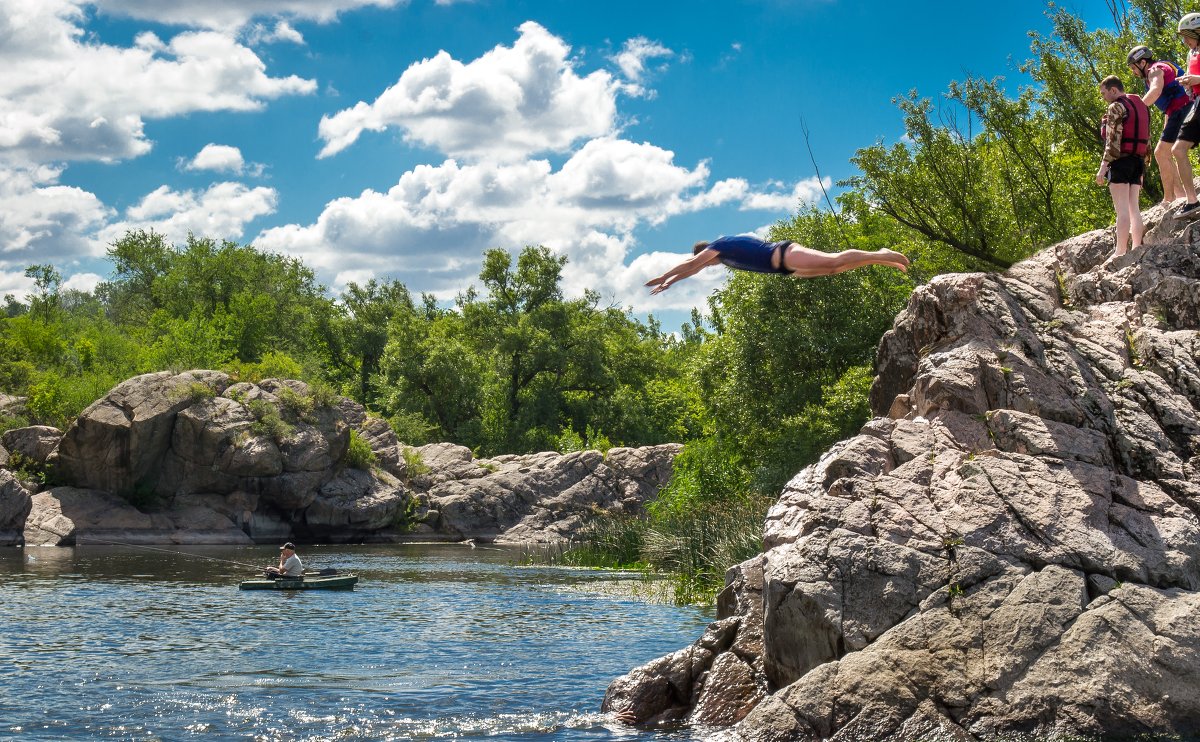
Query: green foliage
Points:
[12, 422]
[296, 405]
[194, 391]
[412, 428]
[26, 469]
[272, 365]
[592, 440]
[268, 421]
[696, 546]
[413, 463]
[706, 471]
[359, 454]
[323, 396]
[406, 516]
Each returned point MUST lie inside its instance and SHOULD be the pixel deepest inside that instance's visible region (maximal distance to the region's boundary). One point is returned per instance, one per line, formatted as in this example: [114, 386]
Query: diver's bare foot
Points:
[896, 257]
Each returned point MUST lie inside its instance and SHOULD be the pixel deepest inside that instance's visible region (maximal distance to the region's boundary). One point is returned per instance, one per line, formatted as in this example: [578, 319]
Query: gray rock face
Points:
[34, 443]
[118, 442]
[1012, 546]
[65, 516]
[170, 439]
[264, 460]
[538, 498]
[15, 503]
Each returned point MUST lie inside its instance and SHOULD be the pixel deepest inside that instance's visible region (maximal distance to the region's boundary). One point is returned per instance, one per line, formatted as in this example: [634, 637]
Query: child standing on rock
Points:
[1126, 131]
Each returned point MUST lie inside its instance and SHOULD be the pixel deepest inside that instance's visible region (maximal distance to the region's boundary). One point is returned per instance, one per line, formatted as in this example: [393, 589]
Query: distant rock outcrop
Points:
[194, 457]
[1011, 549]
[15, 503]
[543, 497]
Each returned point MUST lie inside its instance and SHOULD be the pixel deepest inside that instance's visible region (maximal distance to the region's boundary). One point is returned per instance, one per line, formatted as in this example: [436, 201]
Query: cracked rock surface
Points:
[1011, 547]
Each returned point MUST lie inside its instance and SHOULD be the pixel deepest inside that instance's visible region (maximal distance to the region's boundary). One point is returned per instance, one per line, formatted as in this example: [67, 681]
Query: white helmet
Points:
[1189, 25]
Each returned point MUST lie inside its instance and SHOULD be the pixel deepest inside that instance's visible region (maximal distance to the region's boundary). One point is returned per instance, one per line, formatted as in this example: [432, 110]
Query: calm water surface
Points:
[437, 641]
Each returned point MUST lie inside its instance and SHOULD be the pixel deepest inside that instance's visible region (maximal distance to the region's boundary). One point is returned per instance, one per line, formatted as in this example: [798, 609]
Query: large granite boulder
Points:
[536, 498]
[67, 516]
[1011, 548]
[356, 505]
[15, 503]
[12, 406]
[117, 444]
[270, 460]
[34, 443]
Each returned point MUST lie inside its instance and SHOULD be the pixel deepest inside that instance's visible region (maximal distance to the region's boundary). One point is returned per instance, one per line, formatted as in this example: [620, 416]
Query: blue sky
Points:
[388, 139]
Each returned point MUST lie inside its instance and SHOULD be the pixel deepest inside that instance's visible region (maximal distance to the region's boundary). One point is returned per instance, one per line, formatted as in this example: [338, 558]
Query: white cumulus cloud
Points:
[283, 32]
[510, 103]
[65, 96]
[222, 211]
[632, 59]
[218, 157]
[42, 221]
[806, 191]
[431, 228]
[233, 14]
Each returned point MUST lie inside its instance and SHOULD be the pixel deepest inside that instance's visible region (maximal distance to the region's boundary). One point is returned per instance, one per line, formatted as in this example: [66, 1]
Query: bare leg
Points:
[1120, 199]
[1136, 227]
[808, 263]
[1168, 170]
[1184, 164]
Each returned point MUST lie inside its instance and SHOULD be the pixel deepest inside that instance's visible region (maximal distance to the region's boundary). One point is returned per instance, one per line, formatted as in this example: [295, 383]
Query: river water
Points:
[435, 642]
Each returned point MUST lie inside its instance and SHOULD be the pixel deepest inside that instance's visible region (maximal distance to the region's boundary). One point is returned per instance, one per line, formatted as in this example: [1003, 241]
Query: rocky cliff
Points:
[1010, 547]
[195, 457]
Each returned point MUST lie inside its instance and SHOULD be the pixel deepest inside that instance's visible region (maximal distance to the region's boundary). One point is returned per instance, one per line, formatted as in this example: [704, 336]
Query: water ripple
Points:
[437, 642]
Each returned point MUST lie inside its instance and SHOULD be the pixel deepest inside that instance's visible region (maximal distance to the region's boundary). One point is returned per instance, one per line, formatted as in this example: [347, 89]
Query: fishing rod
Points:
[837, 217]
[167, 551]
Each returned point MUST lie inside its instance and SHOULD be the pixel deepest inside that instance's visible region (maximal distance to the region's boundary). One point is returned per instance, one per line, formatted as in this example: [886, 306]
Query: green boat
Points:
[308, 582]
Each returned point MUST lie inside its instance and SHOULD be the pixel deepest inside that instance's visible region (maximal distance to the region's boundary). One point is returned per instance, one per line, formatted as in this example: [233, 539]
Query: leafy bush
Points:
[323, 395]
[25, 468]
[569, 441]
[295, 404]
[272, 365]
[695, 546]
[359, 454]
[268, 421]
[412, 428]
[12, 422]
[406, 517]
[194, 391]
[414, 465]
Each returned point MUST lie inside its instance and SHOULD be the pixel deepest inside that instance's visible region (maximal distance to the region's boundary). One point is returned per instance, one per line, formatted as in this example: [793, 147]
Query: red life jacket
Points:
[1135, 134]
[1173, 97]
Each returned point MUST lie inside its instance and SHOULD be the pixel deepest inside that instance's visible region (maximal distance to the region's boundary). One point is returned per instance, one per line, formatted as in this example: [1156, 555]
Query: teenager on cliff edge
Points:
[1165, 93]
[1189, 30]
[748, 253]
[1126, 131]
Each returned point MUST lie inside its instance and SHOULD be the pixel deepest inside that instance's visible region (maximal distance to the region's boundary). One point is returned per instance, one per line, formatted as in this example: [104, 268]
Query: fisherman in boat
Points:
[289, 563]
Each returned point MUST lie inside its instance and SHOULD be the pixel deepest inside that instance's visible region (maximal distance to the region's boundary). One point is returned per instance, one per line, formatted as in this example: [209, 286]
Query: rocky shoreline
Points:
[198, 458]
[1009, 549]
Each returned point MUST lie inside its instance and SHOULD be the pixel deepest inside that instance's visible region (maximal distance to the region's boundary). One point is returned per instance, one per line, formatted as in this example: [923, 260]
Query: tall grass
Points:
[694, 547]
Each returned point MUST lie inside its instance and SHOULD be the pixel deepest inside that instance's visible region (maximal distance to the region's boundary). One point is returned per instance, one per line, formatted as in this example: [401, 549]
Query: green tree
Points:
[431, 379]
[781, 346]
[44, 303]
[355, 334]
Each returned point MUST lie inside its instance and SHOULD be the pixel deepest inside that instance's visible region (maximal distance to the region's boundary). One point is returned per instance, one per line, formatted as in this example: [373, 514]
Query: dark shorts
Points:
[1190, 131]
[1127, 169]
[1173, 124]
